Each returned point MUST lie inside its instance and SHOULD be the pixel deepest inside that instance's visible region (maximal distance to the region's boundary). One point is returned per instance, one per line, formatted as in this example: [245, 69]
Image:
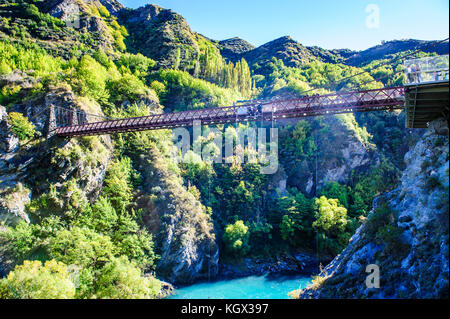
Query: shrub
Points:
[10, 94]
[4, 68]
[129, 88]
[317, 281]
[391, 236]
[21, 238]
[120, 279]
[236, 238]
[82, 247]
[103, 11]
[28, 57]
[102, 58]
[158, 87]
[90, 79]
[186, 92]
[432, 182]
[21, 127]
[136, 62]
[381, 217]
[118, 40]
[34, 281]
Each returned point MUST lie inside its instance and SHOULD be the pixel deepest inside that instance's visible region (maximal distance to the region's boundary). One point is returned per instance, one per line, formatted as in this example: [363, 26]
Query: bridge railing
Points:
[427, 70]
[333, 103]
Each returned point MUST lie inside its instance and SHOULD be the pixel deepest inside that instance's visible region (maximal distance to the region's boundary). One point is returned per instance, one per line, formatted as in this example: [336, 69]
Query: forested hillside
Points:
[113, 216]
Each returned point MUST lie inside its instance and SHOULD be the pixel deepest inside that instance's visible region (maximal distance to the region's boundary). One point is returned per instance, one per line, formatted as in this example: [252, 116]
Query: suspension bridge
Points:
[424, 98]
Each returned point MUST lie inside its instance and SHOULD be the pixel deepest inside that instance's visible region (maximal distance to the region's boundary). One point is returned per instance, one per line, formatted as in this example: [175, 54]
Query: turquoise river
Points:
[253, 287]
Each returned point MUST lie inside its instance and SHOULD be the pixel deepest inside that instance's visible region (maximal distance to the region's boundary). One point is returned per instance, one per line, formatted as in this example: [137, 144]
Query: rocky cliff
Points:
[184, 232]
[341, 150]
[405, 235]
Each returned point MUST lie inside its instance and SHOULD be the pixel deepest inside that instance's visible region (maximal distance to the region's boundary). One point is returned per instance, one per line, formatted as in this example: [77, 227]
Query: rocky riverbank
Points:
[285, 264]
[405, 236]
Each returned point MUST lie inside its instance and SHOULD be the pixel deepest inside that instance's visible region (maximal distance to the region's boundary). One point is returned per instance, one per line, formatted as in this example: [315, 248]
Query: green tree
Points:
[21, 126]
[82, 247]
[136, 63]
[104, 12]
[287, 229]
[32, 280]
[20, 240]
[121, 279]
[260, 235]
[337, 191]
[331, 223]
[89, 78]
[331, 216]
[236, 239]
[102, 217]
[118, 187]
[296, 214]
[135, 243]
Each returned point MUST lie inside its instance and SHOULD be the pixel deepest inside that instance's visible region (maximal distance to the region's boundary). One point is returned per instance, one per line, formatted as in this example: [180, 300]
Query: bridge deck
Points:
[336, 103]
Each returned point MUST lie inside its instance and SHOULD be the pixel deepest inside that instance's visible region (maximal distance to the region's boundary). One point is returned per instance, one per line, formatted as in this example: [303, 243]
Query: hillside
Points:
[292, 53]
[121, 213]
[384, 50]
[233, 49]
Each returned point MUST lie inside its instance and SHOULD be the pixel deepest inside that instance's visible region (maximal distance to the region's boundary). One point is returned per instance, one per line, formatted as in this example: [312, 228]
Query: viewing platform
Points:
[426, 90]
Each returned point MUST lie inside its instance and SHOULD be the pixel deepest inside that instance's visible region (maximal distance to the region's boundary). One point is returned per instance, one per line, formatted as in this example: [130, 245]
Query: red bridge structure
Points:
[78, 123]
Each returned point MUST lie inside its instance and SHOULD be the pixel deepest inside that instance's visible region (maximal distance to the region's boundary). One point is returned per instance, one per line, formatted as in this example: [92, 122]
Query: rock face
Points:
[63, 9]
[406, 234]
[66, 9]
[8, 141]
[13, 195]
[184, 232]
[113, 6]
[277, 265]
[340, 152]
[78, 14]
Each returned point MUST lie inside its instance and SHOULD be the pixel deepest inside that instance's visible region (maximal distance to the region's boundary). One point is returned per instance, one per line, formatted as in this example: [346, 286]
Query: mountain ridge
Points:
[295, 54]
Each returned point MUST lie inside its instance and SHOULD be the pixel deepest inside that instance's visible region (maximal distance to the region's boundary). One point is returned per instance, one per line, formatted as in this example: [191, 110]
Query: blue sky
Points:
[331, 24]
